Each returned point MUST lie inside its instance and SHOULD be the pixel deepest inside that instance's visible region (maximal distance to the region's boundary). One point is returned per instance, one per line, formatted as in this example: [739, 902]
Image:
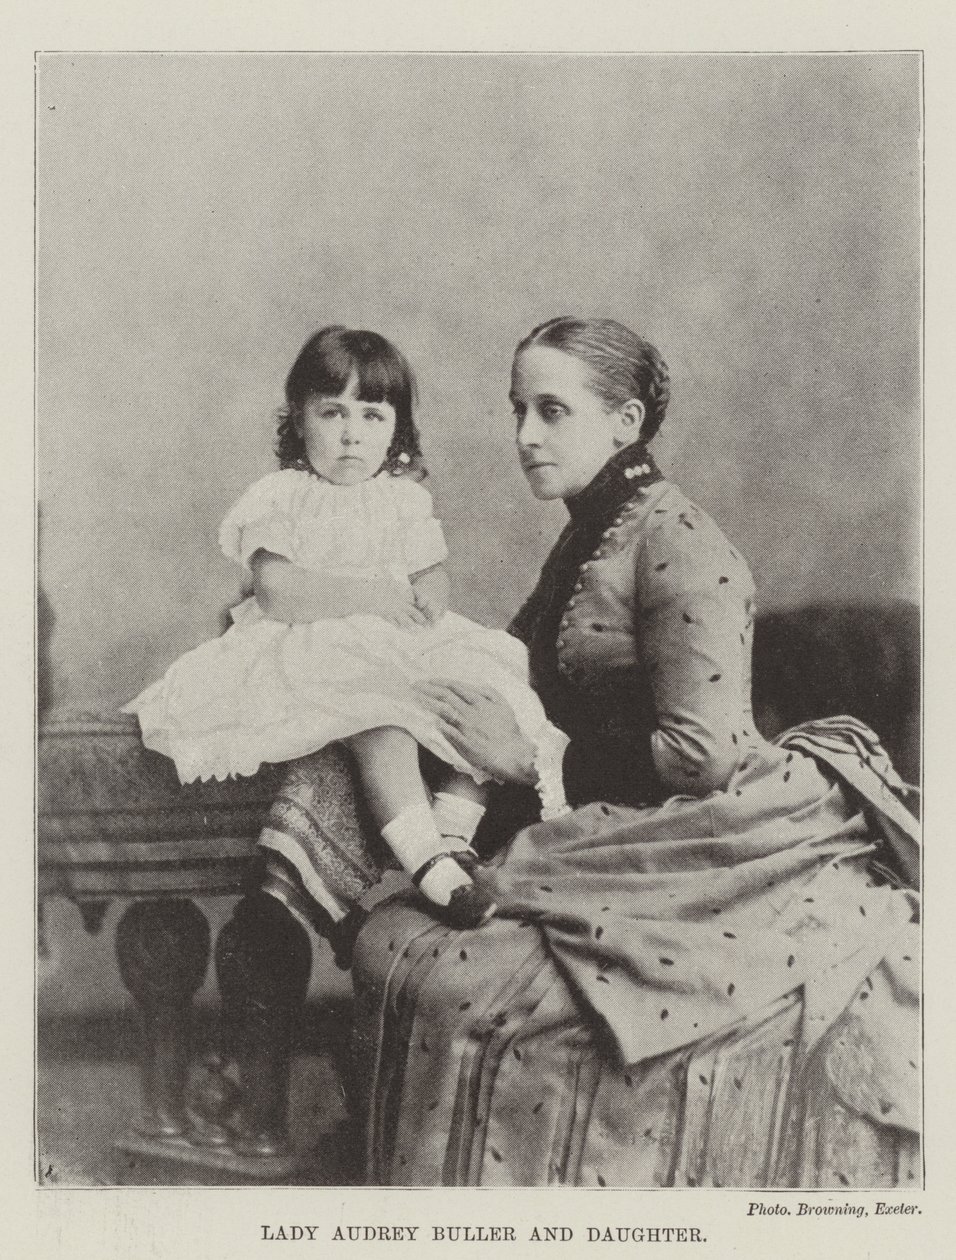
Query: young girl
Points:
[349, 610]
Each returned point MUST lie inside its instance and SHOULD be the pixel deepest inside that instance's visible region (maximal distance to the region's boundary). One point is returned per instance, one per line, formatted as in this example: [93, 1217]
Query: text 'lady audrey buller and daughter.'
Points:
[483, 1233]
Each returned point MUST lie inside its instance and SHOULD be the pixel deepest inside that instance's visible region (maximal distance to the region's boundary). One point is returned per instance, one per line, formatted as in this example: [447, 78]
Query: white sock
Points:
[456, 817]
[414, 838]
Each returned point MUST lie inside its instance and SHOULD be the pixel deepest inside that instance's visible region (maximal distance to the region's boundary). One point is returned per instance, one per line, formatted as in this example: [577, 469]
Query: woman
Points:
[696, 974]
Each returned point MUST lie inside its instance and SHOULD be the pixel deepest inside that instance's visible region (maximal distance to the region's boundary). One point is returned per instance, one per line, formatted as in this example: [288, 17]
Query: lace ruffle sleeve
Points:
[423, 543]
[262, 518]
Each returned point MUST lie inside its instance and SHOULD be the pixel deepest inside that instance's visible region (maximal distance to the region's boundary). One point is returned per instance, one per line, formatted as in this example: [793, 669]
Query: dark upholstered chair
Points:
[817, 660]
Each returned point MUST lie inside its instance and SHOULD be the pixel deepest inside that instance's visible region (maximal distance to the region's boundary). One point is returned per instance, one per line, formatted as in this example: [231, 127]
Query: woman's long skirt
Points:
[717, 992]
[482, 1069]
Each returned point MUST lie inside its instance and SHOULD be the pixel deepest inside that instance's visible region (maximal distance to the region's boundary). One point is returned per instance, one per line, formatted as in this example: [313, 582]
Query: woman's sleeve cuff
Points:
[550, 747]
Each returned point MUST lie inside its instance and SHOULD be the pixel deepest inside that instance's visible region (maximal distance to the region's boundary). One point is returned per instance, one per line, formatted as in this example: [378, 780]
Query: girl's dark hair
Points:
[325, 366]
[622, 365]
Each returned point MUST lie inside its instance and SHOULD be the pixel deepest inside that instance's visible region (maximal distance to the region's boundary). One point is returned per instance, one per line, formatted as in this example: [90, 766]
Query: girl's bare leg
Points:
[387, 760]
[463, 786]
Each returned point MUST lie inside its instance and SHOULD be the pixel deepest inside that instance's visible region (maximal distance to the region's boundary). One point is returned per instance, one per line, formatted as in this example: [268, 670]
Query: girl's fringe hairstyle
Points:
[324, 367]
[623, 365]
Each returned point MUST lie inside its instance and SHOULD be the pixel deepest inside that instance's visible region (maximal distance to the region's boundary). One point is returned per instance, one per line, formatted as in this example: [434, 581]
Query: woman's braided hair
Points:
[622, 365]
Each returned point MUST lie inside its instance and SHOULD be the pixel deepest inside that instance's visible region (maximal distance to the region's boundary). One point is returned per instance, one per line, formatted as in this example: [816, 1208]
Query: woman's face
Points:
[566, 434]
[346, 440]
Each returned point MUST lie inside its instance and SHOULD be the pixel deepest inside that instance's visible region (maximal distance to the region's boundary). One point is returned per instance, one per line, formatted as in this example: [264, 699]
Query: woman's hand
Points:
[479, 724]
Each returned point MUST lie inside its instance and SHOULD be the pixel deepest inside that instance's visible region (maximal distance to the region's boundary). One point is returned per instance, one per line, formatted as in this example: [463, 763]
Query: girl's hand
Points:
[479, 724]
[395, 601]
[430, 604]
[432, 590]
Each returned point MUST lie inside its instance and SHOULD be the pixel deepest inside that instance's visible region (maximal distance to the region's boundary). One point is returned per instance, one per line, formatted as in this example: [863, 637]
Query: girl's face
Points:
[566, 434]
[346, 440]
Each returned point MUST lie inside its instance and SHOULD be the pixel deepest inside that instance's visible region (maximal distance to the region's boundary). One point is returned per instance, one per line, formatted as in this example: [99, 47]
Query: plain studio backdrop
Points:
[756, 217]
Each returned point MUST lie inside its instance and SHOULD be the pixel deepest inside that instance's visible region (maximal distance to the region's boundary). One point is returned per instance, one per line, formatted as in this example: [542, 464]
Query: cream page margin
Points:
[134, 1223]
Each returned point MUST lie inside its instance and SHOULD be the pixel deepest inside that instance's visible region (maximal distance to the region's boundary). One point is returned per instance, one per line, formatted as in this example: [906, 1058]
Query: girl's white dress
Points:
[267, 691]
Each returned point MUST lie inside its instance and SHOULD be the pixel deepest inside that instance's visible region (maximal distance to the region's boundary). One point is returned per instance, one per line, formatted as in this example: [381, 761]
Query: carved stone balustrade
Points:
[114, 822]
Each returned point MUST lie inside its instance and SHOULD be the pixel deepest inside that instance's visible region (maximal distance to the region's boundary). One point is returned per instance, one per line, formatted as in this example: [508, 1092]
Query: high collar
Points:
[630, 470]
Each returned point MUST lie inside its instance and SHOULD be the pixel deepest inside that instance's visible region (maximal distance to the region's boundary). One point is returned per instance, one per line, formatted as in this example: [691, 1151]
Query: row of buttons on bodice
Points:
[603, 549]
